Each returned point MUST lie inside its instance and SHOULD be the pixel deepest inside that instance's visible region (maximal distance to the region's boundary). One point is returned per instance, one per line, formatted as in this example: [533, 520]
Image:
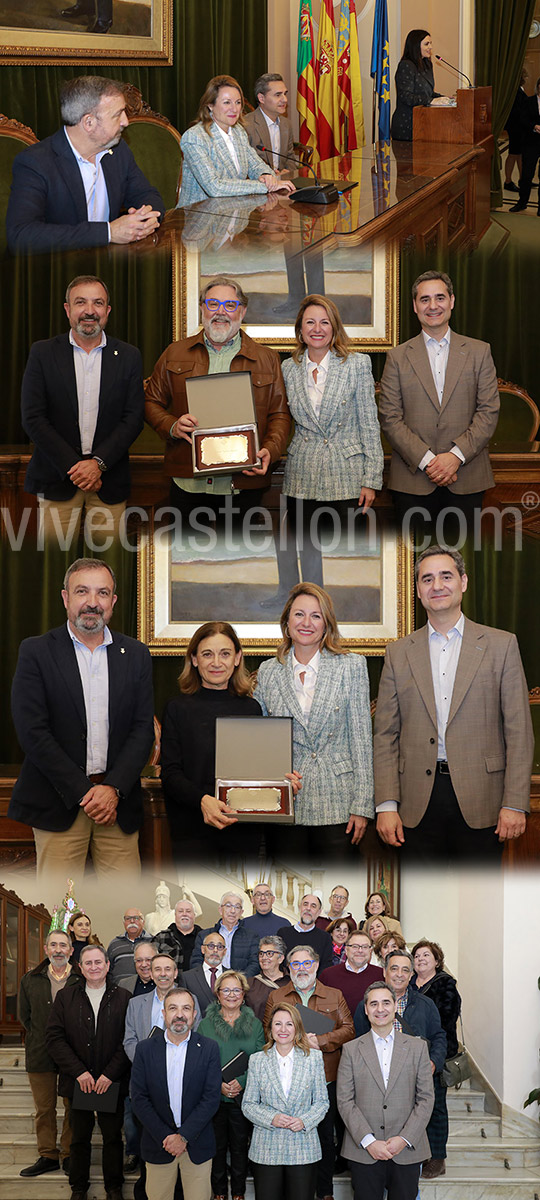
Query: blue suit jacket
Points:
[47, 206]
[201, 1094]
[50, 417]
[422, 1019]
[50, 721]
[244, 949]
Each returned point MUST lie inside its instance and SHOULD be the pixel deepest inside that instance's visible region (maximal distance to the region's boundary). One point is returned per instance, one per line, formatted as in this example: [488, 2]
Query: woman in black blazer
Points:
[414, 83]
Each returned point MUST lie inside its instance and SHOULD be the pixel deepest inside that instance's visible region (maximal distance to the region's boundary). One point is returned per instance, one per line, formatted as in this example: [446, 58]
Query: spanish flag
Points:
[349, 80]
[306, 94]
[328, 135]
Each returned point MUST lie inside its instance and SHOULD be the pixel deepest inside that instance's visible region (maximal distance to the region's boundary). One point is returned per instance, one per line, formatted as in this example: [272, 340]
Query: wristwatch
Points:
[100, 463]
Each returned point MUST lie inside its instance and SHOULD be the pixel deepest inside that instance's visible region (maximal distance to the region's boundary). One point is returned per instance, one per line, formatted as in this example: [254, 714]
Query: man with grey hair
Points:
[267, 125]
[264, 920]
[180, 936]
[439, 407]
[69, 190]
[38, 990]
[242, 945]
[306, 931]
[83, 711]
[453, 743]
[385, 1097]
[82, 406]
[305, 988]
[220, 346]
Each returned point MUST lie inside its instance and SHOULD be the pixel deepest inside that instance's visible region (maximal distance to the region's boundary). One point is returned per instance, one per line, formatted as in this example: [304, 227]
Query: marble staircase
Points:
[489, 1156]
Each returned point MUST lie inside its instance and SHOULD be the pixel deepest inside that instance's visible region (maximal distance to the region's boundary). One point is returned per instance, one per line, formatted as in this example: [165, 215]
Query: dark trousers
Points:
[325, 1130]
[443, 832]
[370, 1180]
[306, 842]
[284, 1183]
[529, 159]
[82, 1125]
[435, 503]
[300, 539]
[437, 1129]
[232, 1133]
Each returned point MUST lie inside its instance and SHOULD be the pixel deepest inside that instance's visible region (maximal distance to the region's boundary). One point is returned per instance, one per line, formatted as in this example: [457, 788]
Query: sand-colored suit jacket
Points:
[489, 738]
[414, 421]
[403, 1108]
[258, 131]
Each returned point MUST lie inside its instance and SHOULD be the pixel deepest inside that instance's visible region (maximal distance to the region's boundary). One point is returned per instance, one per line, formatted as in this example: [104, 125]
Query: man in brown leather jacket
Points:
[305, 988]
[220, 346]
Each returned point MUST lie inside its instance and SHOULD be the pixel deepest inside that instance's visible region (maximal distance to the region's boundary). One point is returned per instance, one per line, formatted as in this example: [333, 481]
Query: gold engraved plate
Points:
[233, 448]
[257, 799]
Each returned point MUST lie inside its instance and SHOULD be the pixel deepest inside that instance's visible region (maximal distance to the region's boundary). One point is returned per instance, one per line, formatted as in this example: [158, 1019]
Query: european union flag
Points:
[380, 67]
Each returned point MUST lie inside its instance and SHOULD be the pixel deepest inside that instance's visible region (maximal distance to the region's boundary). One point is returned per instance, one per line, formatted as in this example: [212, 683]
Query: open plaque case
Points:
[253, 756]
[226, 438]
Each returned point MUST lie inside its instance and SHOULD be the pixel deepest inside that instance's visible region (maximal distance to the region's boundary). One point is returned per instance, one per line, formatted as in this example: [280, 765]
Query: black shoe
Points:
[76, 10]
[275, 601]
[517, 208]
[65, 1165]
[114, 1194]
[100, 27]
[79, 1193]
[511, 187]
[131, 1164]
[40, 1167]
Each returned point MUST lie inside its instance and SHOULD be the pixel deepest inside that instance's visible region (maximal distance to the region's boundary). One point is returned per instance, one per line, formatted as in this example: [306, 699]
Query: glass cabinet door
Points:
[12, 960]
[33, 952]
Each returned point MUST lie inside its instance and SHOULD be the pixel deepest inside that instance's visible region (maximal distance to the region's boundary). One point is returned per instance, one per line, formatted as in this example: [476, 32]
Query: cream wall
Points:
[451, 26]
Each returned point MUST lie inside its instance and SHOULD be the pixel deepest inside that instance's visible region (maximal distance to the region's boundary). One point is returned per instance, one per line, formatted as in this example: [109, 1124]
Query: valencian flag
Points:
[380, 67]
[306, 95]
[328, 136]
[349, 80]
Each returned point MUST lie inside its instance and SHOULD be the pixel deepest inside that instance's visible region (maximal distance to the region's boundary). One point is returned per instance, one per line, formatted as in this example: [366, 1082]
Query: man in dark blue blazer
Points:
[83, 708]
[69, 191]
[82, 405]
[175, 1092]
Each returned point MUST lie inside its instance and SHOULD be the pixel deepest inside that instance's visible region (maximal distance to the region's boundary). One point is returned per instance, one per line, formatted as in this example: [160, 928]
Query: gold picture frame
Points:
[159, 573]
[379, 333]
[63, 44]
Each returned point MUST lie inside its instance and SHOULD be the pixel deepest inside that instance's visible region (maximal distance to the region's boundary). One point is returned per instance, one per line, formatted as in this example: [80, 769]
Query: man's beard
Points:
[81, 622]
[221, 329]
[82, 327]
[179, 1025]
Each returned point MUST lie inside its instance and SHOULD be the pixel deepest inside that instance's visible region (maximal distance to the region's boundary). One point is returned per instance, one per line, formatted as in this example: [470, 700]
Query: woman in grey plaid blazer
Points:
[285, 1098]
[335, 458]
[325, 689]
[218, 159]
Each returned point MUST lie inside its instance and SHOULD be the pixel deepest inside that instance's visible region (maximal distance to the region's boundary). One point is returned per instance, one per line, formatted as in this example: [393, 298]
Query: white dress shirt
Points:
[94, 672]
[316, 389]
[437, 353]
[228, 139]
[176, 1061]
[275, 139]
[88, 380]
[219, 971]
[157, 1017]
[285, 1063]
[444, 652]
[384, 1048]
[306, 690]
[95, 187]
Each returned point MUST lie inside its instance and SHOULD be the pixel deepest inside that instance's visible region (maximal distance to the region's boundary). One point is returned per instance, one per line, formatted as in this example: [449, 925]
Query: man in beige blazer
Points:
[453, 741]
[439, 407]
[268, 126]
[385, 1097]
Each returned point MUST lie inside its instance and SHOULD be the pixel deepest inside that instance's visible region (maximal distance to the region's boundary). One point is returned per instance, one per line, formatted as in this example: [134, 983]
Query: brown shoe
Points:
[432, 1168]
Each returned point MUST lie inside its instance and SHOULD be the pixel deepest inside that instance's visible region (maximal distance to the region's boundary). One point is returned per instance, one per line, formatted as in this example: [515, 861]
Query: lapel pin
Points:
[122, 651]
[115, 352]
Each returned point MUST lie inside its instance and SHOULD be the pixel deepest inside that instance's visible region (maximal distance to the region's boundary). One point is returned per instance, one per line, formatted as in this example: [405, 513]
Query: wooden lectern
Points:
[469, 122]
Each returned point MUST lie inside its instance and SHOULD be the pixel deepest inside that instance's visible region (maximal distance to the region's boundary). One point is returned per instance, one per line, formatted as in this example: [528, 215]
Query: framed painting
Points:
[46, 33]
[181, 583]
[276, 272]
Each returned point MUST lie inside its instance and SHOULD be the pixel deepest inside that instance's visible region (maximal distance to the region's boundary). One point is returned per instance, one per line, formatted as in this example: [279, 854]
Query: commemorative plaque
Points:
[226, 438]
[253, 756]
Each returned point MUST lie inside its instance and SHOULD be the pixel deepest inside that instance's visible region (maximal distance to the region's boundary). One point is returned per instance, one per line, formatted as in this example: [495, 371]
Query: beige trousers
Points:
[44, 1085]
[161, 1179]
[112, 851]
[61, 519]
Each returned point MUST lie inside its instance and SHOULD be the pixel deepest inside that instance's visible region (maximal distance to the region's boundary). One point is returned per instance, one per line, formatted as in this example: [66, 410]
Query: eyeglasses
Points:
[213, 946]
[297, 966]
[236, 907]
[224, 991]
[230, 306]
[268, 953]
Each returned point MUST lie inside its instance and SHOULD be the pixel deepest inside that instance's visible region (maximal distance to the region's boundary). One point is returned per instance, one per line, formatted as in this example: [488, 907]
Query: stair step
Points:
[465, 1101]
[512, 1153]
[481, 1125]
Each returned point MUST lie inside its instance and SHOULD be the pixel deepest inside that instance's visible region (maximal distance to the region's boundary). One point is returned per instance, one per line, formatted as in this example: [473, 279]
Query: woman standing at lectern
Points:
[414, 83]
